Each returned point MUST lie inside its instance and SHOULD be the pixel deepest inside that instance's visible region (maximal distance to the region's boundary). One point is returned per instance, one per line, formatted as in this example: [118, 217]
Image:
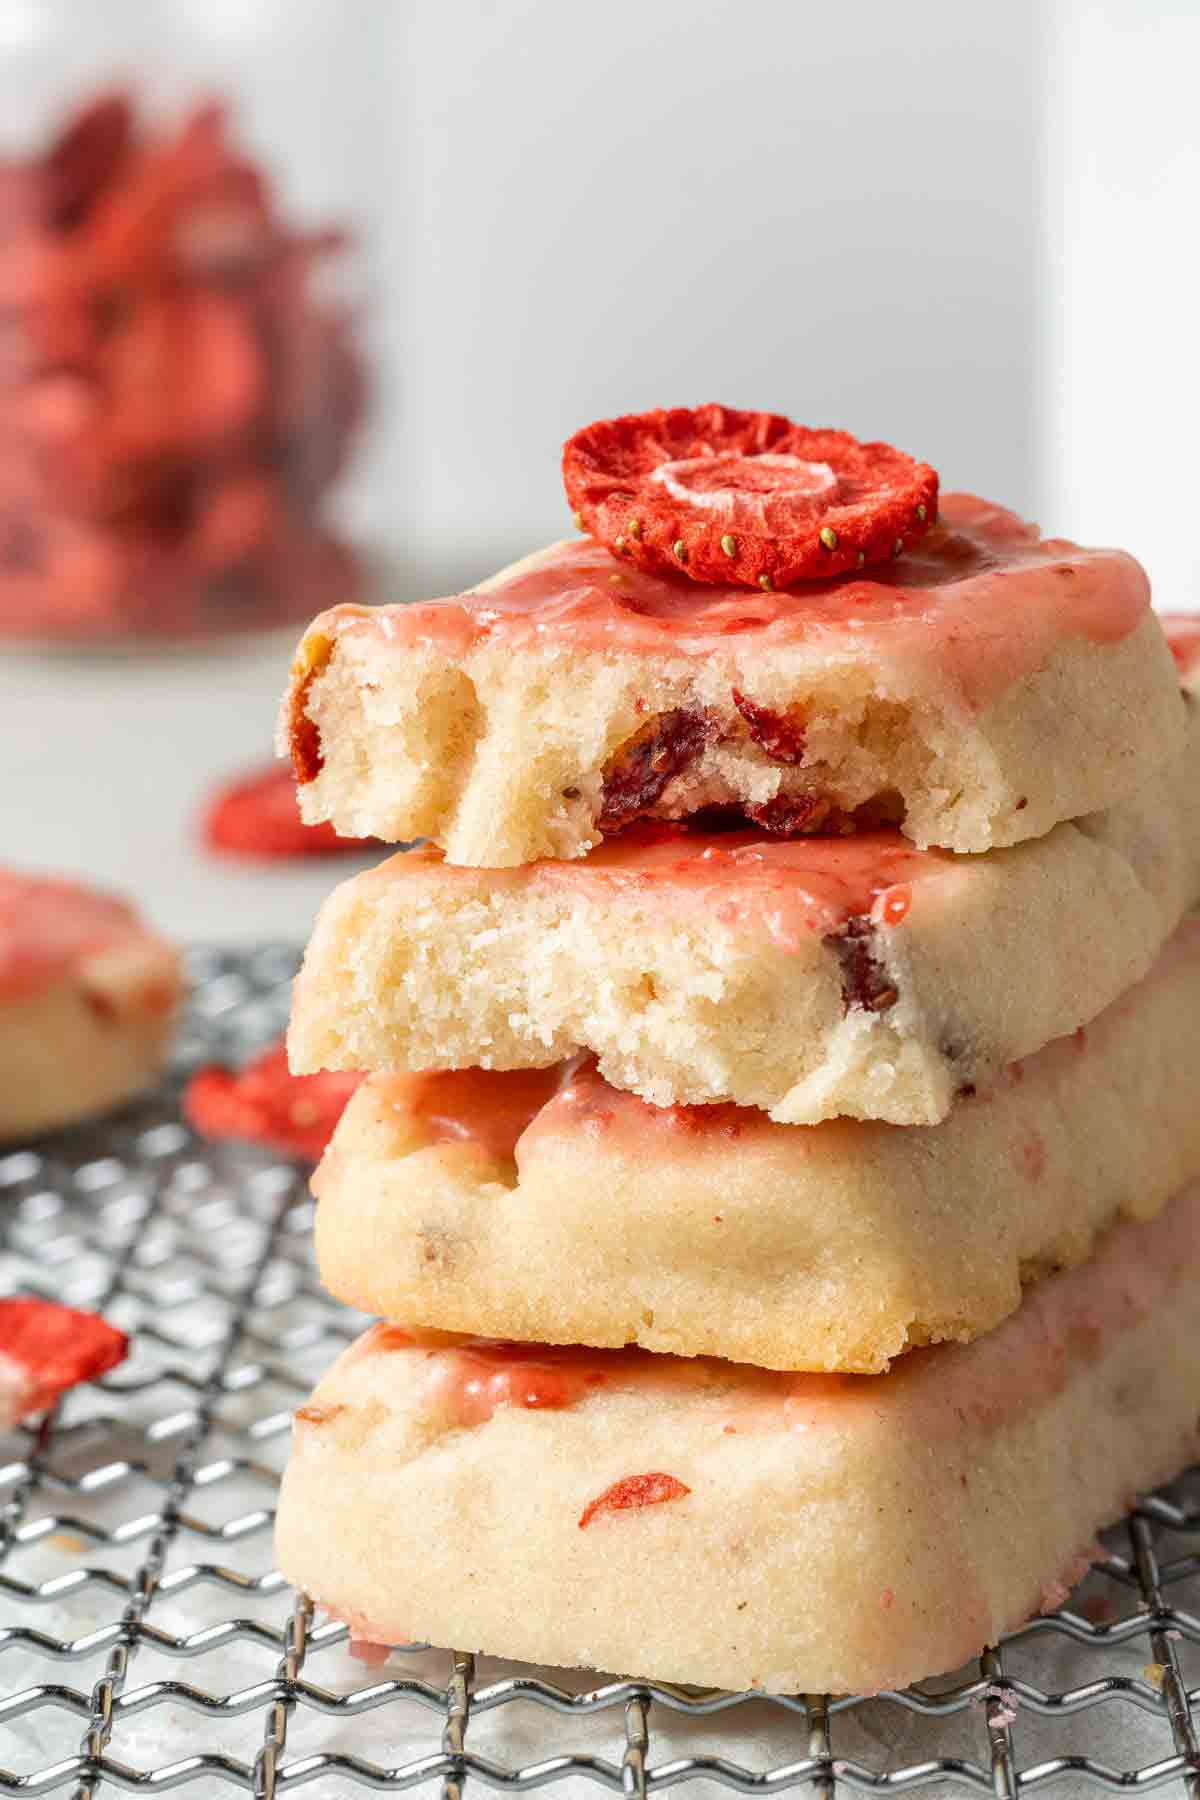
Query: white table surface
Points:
[107, 762]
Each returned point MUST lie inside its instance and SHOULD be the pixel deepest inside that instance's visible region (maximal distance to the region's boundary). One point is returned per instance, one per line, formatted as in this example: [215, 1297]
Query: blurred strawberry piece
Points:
[46, 1349]
[267, 1104]
[179, 394]
[258, 816]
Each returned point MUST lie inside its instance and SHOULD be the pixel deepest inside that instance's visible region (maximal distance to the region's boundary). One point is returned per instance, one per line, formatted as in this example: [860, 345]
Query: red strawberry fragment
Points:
[45, 1349]
[780, 734]
[631, 1492]
[257, 816]
[179, 388]
[267, 1104]
[638, 773]
[1183, 637]
[744, 499]
[792, 815]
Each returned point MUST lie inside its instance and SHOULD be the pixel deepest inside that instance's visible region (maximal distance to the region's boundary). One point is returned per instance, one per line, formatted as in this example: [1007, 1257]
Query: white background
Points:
[968, 228]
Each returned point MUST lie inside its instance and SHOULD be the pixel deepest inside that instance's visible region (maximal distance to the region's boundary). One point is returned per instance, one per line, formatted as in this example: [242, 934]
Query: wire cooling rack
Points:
[147, 1644]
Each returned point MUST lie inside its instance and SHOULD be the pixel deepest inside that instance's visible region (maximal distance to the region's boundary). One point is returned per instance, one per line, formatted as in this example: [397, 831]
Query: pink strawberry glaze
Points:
[982, 598]
[787, 888]
[470, 1378]
[486, 1108]
[48, 926]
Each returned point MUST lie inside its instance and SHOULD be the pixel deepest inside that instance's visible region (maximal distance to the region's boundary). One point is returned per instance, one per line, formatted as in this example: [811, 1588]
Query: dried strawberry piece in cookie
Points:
[744, 499]
[267, 1104]
[257, 816]
[632, 1492]
[46, 1349]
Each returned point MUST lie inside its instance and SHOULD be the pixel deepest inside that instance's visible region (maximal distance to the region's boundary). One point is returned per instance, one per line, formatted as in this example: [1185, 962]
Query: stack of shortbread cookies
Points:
[780, 1171]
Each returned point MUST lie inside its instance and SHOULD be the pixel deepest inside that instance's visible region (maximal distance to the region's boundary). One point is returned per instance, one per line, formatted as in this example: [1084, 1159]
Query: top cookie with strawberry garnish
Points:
[744, 498]
[972, 682]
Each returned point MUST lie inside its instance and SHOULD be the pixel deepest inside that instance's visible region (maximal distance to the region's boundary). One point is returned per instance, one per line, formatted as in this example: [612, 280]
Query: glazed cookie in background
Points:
[547, 1205]
[88, 995]
[1183, 635]
[709, 1523]
[46, 1349]
[986, 685]
[264, 1103]
[811, 977]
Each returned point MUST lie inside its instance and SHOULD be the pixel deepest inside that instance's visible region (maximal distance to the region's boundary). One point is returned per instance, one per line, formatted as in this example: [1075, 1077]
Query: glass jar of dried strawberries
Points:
[182, 378]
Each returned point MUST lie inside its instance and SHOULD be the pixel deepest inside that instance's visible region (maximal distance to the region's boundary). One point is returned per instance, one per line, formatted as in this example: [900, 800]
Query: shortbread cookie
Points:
[548, 1205]
[982, 688]
[87, 1001]
[809, 976]
[707, 1522]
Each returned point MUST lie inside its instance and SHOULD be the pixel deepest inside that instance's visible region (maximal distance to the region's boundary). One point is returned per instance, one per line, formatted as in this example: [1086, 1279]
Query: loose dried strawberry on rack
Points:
[256, 816]
[266, 1104]
[45, 1349]
[742, 498]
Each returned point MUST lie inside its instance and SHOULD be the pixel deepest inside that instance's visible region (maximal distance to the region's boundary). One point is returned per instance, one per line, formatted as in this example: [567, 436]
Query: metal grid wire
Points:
[147, 1644]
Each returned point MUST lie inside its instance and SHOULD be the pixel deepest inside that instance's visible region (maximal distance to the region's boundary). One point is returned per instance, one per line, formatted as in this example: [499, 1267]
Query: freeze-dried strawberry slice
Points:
[267, 1104]
[257, 816]
[633, 1491]
[46, 1349]
[744, 499]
